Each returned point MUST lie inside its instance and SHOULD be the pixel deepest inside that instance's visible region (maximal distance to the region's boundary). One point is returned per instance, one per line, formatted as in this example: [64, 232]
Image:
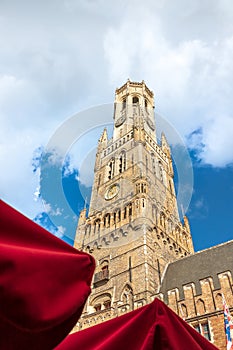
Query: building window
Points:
[107, 304]
[135, 99]
[119, 215]
[107, 220]
[88, 229]
[97, 307]
[122, 162]
[114, 218]
[105, 271]
[203, 329]
[102, 302]
[162, 219]
[124, 103]
[97, 226]
[111, 169]
[141, 188]
[160, 171]
[125, 212]
[130, 209]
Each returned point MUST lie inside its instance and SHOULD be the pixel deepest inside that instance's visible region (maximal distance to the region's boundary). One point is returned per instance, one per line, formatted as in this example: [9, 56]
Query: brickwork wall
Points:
[204, 307]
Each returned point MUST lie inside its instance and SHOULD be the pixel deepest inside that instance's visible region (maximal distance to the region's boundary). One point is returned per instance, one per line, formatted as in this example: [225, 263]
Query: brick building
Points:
[133, 229]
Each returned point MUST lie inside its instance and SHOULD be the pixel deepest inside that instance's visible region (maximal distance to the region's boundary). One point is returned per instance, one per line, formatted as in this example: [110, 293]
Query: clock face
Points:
[112, 191]
[150, 123]
[120, 121]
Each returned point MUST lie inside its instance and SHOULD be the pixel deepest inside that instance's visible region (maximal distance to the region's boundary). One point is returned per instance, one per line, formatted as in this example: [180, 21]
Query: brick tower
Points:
[133, 227]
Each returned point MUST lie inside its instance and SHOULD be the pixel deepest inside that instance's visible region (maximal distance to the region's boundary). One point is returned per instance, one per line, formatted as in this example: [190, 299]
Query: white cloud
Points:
[58, 57]
[61, 231]
[191, 71]
[51, 211]
[218, 142]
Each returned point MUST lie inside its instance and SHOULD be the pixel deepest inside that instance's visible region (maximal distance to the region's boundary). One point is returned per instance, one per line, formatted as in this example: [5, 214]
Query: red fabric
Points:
[44, 284]
[153, 326]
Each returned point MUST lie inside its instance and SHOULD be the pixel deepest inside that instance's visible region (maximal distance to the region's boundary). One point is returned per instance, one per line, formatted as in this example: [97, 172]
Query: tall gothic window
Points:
[122, 162]
[119, 215]
[143, 203]
[160, 171]
[107, 220]
[97, 226]
[111, 169]
[153, 163]
[130, 209]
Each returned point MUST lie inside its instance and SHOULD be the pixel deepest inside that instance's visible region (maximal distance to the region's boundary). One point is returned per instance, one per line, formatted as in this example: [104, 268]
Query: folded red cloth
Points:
[44, 284]
[153, 326]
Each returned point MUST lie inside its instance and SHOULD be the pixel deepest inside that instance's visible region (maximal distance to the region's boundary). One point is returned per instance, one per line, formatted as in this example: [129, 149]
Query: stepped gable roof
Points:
[206, 263]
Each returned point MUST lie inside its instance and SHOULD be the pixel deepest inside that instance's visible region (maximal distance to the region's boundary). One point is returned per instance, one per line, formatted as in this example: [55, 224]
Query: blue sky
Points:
[60, 58]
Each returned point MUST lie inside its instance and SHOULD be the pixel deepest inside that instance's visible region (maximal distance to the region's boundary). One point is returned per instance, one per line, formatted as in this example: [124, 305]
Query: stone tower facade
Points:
[133, 227]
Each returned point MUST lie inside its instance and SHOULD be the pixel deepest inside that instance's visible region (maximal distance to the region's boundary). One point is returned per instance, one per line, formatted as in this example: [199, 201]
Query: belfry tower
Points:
[133, 227]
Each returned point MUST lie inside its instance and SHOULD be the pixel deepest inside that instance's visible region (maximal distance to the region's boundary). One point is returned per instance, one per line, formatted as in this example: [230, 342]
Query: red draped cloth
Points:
[44, 284]
[153, 326]
[43, 287]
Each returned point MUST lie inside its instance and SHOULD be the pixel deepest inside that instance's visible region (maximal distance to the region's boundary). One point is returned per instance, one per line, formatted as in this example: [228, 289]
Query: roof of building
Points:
[206, 263]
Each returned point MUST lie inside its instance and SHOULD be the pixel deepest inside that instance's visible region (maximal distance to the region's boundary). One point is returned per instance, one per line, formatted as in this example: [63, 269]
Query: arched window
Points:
[141, 187]
[143, 203]
[162, 219]
[124, 103]
[184, 312]
[125, 212]
[135, 99]
[97, 307]
[111, 169]
[104, 268]
[153, 163]
[107, 220]
[130, 209]
[97, 226]
[102, 302]
[119, 215]
[122, 162]
[127, 295]
[145, 103]
[219, 301]
[160, 170]
[114, 218]
[88, 229]
[200, 307]
[107, 304]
